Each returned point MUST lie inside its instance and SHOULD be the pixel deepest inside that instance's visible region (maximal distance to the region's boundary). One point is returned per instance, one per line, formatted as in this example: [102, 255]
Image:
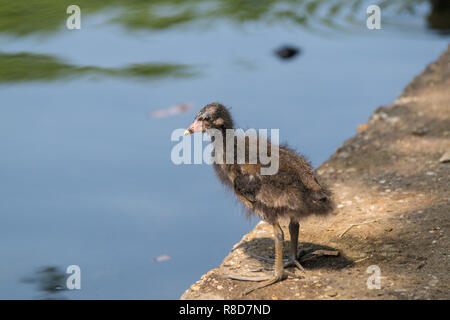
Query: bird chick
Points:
[293, 191]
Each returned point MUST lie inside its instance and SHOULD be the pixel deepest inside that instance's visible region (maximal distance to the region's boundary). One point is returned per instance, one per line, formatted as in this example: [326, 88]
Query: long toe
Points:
[294, 263]
[264, 284]
[245, 278]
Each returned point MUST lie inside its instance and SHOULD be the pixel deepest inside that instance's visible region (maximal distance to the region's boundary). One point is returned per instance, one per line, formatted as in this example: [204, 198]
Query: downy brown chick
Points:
[293, 191]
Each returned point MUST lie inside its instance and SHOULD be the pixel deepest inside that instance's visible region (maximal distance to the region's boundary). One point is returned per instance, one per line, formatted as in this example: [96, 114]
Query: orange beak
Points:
[196, 126]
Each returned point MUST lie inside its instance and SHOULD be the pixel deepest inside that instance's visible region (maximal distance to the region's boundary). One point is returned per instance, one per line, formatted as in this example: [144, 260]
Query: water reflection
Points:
[439, 17]
[49, 281]
[47, 16]
[37, 16]
[16, 67]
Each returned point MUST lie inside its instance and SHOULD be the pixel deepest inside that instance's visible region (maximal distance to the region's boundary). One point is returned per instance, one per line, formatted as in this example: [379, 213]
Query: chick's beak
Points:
[196, 126]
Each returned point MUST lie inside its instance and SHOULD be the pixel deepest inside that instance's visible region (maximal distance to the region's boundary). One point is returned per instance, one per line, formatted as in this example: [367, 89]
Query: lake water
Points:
[86, 175]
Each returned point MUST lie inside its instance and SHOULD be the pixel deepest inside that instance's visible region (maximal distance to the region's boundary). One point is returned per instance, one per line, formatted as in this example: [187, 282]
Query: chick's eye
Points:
[207, 118]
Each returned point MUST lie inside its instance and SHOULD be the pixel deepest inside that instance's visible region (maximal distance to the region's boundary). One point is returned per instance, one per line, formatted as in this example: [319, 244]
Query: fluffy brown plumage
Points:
[293, 192]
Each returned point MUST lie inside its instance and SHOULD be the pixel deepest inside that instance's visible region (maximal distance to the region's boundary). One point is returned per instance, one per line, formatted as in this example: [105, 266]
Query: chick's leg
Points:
[278, 267]
[293, 231]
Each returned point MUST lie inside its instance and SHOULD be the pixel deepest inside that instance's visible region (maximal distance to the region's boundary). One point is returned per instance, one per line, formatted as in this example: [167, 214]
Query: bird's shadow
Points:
[262, 249]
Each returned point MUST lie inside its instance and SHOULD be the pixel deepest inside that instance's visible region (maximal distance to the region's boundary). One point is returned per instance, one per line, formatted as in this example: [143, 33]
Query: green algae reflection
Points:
[46, 16]
[18, 67]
